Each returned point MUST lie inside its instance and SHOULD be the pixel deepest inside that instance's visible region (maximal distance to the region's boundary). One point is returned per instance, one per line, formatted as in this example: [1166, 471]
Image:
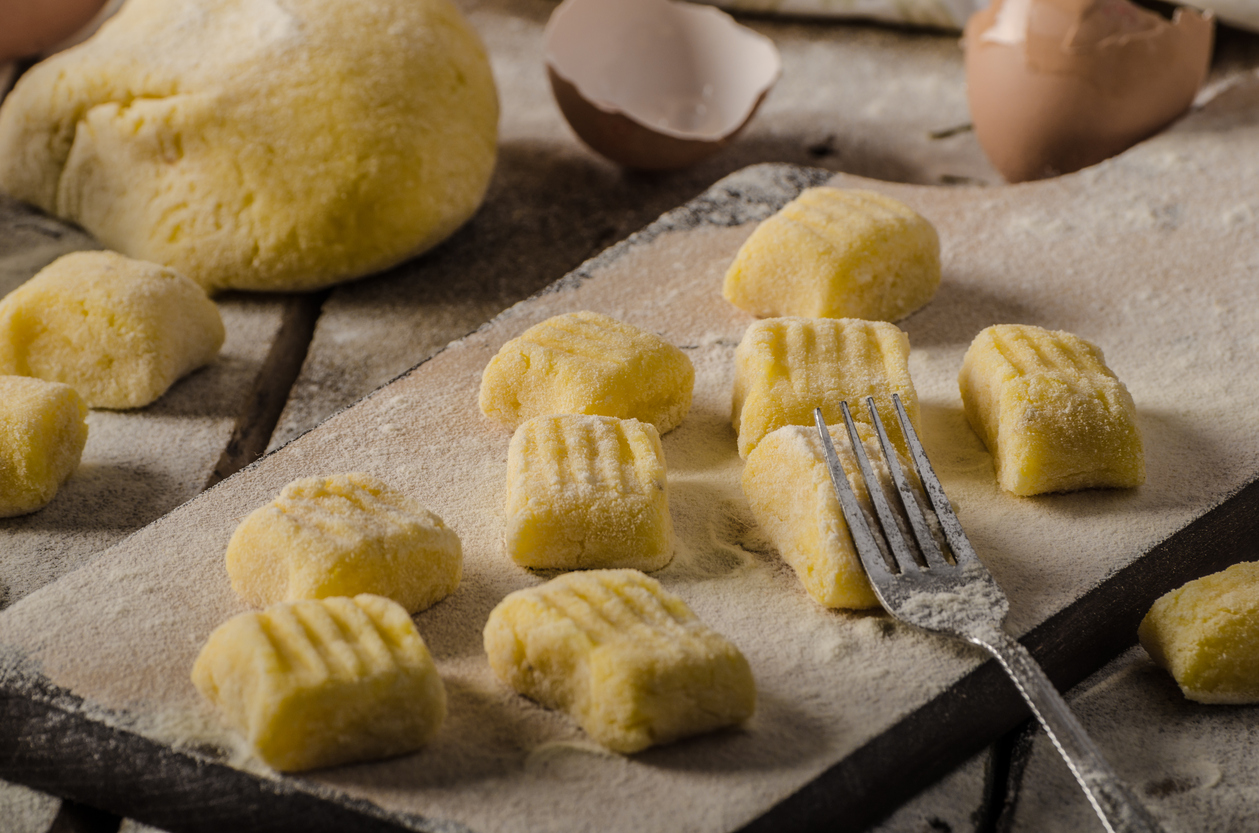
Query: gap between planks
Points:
[272, 387]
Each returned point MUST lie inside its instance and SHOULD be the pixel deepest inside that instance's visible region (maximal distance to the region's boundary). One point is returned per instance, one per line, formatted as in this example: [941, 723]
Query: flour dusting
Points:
[1162, 302]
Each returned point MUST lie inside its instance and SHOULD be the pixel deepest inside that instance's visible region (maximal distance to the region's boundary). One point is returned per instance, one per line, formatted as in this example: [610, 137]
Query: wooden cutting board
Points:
[1153, 255]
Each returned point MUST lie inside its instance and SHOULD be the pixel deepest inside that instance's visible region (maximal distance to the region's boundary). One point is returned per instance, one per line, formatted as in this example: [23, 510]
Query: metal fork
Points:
[958, 597]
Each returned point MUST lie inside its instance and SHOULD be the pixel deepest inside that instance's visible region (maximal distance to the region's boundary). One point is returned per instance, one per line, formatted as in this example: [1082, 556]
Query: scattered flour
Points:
[123, 631]
[1196, 772]
[25, 810]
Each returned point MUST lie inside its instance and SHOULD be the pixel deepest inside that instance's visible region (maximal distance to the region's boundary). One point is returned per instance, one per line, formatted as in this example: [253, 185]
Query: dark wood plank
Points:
[48, 744]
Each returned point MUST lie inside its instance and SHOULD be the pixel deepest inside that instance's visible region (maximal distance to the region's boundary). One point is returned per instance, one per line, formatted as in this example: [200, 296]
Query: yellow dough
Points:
[587, 491]
[119, 331]
[1053, 415]
[831, 253]
[1206, 634]
[260, 144]
[786, 367]
[588, 363]
[318, 683]
[43, 429]
[788, 486]
[341, 536]
[625, 658]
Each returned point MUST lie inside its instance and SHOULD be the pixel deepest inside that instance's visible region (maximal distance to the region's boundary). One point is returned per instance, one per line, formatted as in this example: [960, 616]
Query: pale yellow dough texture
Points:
[260, 144]
[318, 683]
[119, 331]
[786, 367]
[588, 363]
[1206, 634]
[1053, 415]
[831, 253]
[629, 661]
[342, 536]
[587, 492]
[788, 486]
[43, 429]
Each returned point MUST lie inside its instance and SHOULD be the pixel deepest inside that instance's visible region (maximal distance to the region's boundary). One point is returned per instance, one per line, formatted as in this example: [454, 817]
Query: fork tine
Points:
[891, 529]
[960, 544]
[927, 544]
[863, 538]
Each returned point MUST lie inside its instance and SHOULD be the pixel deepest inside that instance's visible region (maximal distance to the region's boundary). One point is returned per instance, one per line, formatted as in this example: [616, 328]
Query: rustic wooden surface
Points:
[857, 98]
[1201, 761]
[872, 780]
[877, 102]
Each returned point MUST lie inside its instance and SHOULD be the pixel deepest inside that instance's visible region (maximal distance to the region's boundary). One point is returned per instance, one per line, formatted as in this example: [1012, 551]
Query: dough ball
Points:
[260, 144]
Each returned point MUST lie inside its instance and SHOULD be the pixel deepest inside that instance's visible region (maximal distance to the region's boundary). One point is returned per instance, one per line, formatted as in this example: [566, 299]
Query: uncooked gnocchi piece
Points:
[788, 486]
[318, 683]
[588, 363]
[341, 536]
[629, 661]
[833, 253]
[1206, 634]
[1053, 415]
[119, 331]
[786, 367]
[587, 491]
[43, 429]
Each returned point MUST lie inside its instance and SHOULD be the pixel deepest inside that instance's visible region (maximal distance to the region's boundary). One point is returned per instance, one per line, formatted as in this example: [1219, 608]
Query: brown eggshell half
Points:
[626, 141]
[1089, 79]
[29, 27]
[654, 84]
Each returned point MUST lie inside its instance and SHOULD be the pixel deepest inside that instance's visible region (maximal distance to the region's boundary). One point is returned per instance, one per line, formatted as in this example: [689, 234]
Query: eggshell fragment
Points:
[1244, 14]
[31, 27]
[1058, 85]
[655, 84]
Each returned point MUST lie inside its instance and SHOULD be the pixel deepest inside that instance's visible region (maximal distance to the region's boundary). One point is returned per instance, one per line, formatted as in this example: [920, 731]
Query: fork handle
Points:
[1114, 803]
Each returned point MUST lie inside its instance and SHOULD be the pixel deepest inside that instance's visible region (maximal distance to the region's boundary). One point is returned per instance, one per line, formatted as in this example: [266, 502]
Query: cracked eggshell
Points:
[31, 27]
[1058, 85]
[1244, 14]
[655, 84]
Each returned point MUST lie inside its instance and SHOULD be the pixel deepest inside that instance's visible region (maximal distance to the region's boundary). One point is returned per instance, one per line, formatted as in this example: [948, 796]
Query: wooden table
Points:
[859, 99]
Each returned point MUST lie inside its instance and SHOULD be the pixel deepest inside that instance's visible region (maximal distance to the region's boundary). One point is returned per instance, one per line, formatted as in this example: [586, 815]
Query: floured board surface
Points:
[1153, 255]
